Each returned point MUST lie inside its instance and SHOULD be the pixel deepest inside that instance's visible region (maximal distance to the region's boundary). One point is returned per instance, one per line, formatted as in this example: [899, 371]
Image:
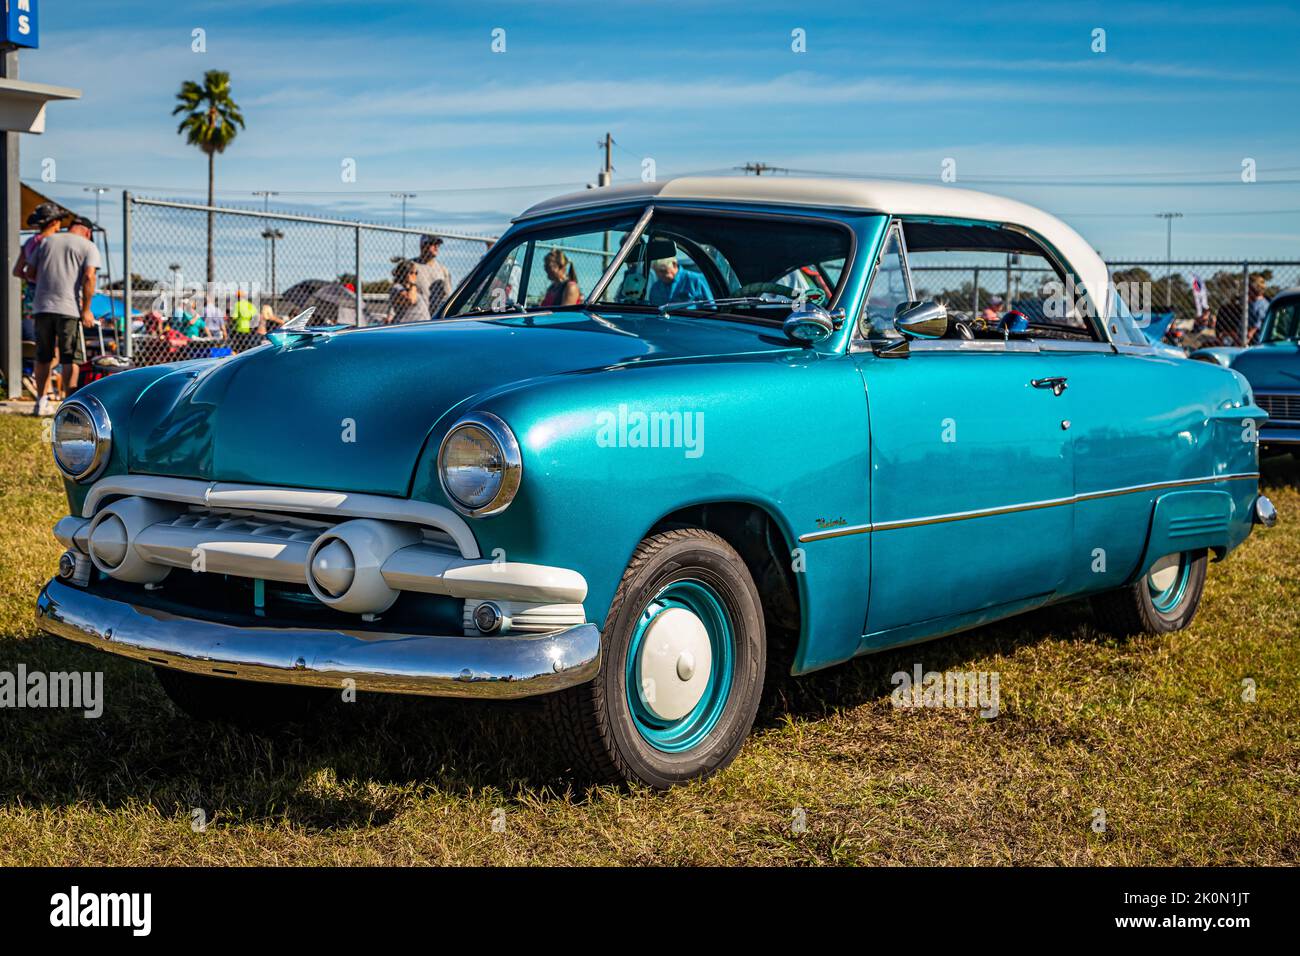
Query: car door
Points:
[971, 476]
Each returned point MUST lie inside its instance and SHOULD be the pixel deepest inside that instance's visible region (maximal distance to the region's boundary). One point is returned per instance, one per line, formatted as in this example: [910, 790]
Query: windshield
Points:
[687, 261]
[1283, 320]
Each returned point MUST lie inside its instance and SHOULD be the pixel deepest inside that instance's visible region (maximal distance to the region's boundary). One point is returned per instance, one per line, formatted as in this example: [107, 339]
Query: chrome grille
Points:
[1280, 406]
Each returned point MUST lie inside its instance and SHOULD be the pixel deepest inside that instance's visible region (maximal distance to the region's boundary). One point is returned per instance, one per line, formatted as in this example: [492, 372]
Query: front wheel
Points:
[1162, 600]
[681, 673]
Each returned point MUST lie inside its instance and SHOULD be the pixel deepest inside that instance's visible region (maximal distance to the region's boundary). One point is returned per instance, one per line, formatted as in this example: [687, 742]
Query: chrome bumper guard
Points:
[500, 667]
[1265, 513]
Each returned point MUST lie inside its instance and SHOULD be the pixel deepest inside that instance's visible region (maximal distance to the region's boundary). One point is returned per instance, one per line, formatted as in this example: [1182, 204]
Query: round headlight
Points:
[479, 465]
[81, 437]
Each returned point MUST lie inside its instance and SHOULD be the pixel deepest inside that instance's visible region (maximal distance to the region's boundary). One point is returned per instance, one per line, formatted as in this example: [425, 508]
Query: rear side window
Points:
[982, 272]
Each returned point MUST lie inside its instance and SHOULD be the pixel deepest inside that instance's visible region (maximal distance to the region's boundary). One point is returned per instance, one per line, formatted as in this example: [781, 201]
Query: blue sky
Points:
[413, 92]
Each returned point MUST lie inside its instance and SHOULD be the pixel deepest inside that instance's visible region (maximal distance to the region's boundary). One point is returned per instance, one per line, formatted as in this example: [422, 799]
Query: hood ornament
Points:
[297, 330]
[299, 321]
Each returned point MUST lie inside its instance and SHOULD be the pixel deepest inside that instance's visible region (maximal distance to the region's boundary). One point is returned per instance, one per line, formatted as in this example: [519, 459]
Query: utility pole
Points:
[606, 175]
[1169, 218]
[758, 169]
[403, 197]
[266, 195]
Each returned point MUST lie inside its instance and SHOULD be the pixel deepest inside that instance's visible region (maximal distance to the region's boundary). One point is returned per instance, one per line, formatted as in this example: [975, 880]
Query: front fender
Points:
[785, 431]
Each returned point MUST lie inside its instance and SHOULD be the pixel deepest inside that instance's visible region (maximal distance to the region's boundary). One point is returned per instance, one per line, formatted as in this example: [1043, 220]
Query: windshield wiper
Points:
[765, 300]
[503, 310]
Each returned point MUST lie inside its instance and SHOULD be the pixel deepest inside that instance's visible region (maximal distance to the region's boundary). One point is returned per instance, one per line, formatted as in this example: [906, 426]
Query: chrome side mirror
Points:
[921, 320]
[810, 323]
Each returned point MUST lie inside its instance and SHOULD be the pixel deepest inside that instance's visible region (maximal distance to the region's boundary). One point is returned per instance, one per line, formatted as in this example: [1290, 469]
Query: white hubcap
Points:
[674, 661]
[1164, 573]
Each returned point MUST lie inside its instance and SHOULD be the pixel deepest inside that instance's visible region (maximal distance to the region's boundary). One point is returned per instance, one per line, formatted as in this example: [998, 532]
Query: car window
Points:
[1284, 320]
[983, 272]
[889, 290]
[537, 268]
[768, 263]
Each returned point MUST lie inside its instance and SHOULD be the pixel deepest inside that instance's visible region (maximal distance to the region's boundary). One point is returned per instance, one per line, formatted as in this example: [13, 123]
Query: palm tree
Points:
[210, 120]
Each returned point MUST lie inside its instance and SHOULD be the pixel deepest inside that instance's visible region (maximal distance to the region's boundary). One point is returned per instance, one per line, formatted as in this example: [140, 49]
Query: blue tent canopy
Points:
[102, 306]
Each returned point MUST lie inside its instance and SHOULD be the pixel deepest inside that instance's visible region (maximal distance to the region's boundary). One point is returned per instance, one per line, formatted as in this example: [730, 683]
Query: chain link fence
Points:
[1191, 303]
[268, 266]
[264, 268]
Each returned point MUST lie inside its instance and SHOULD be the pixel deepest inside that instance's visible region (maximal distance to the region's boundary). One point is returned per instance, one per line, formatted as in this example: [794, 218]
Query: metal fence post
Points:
[1245, 302]
[975, 295]
[128, 330]
[357, 282]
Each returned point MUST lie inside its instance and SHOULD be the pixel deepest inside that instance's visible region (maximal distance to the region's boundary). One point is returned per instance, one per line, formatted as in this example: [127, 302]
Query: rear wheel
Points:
[1162, 600]
[682, 664]
[242, 703]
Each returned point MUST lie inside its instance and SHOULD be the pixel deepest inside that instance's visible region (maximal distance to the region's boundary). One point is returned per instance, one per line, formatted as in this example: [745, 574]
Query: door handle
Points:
[1056, 384]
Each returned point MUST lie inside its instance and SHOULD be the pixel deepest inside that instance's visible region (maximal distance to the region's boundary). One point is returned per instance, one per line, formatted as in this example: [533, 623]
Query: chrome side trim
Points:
[1012, 509]
[437, 666]
[340, 504]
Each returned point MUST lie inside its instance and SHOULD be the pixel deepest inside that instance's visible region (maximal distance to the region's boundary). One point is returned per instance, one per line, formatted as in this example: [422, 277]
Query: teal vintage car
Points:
[760, 420]
[1273, 369]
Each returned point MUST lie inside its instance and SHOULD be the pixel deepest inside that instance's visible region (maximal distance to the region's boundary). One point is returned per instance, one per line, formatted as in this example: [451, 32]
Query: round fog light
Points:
[67, 565]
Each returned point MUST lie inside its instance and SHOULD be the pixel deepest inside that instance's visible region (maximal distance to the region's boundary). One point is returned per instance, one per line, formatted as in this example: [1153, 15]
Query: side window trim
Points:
[894, 231]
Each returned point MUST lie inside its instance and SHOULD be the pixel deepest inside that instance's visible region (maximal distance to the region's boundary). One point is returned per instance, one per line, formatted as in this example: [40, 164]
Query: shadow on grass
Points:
[321, 775]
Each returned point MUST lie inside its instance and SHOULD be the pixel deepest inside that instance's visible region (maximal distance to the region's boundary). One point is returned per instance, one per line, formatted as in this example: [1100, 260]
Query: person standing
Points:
[214, 320]
[46, 219]
[431, 276]
[66, 264]
[405, 303]
[1258, 306]
[563, 289]
[243, 315]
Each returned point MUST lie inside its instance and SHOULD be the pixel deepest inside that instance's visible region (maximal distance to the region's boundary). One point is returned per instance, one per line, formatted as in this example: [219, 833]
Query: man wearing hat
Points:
[66, 264]
[46, 219]
[432, 279]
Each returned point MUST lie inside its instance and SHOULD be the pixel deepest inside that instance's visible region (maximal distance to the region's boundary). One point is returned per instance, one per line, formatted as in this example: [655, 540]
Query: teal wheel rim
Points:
[688, 731]
[1166, 597]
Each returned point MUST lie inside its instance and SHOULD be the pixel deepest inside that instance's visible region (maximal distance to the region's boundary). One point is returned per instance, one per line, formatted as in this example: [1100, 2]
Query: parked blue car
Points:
[1273, 369]
[759, 424]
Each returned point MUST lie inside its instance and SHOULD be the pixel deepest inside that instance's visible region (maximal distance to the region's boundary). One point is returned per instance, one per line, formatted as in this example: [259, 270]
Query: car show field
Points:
[1173, 749]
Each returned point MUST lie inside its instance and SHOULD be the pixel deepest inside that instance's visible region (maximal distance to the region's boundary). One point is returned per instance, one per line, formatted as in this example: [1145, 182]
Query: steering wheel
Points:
[959, 326]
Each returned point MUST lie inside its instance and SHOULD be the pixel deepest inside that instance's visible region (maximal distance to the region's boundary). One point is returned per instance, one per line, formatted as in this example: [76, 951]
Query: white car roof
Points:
[884, 196]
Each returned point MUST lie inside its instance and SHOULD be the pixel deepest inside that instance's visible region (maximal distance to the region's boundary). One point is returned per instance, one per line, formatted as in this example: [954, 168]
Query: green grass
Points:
[1153, 730]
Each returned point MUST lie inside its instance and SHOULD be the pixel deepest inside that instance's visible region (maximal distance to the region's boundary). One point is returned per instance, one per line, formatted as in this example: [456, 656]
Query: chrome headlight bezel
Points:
[512, 464]
[103, 428]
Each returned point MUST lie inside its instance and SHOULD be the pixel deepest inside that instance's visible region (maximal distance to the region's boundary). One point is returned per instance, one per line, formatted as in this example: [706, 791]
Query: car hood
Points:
[353, 410]
[1271, 368]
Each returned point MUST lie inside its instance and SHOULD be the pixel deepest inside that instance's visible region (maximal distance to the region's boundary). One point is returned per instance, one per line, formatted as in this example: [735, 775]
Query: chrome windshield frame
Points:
[617, 263]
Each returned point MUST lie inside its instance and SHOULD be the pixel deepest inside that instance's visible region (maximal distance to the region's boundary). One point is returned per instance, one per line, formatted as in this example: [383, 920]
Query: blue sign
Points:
[20, 23]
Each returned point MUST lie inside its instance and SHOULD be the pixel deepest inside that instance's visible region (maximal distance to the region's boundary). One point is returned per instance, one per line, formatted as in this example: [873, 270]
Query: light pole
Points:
[403, 197]
[98, 191]
[266, 195]
[1169, 218]
[272, 235]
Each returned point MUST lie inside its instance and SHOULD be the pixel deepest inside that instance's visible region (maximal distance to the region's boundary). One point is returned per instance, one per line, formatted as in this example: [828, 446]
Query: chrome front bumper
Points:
[453, 666]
